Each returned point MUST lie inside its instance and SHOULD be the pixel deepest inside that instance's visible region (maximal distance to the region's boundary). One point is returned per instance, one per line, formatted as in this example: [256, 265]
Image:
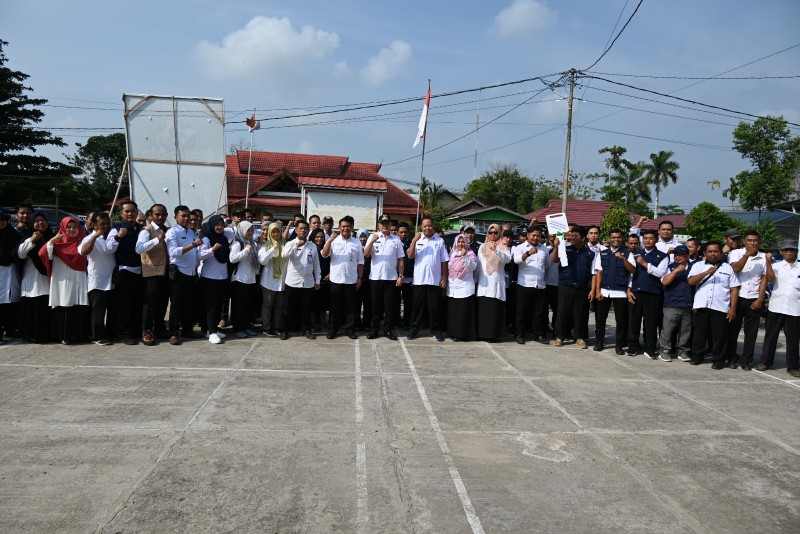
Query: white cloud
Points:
[266, 46]
[523, 17]
[341, 68]
[305, 147]
[389, 63]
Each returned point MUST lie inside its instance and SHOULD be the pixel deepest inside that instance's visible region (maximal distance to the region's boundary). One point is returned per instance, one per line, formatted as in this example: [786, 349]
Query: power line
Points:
[697, 77]
[695, 102]
[617, 37]
[688, 143]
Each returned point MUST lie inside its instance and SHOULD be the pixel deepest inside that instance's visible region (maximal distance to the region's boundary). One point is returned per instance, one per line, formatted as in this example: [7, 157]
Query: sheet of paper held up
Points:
[557, 224]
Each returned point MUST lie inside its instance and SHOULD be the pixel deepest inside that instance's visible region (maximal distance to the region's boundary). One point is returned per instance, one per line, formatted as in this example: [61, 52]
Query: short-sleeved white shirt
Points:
[346, 255]
[532, 270]
[384, 255]
[101, 263]
[428, 259]
[714, 293]
[750, 276]
[785, 296]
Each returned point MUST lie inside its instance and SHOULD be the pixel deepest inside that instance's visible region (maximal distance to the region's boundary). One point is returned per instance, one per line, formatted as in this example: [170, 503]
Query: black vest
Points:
[679, 294]
[578, 272]
[126, 251]
[647, 283]
[615, 276]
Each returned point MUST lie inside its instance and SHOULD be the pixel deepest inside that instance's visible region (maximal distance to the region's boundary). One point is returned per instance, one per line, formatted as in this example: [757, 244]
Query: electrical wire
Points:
[617, 37]
[697, 77]
[687, 143]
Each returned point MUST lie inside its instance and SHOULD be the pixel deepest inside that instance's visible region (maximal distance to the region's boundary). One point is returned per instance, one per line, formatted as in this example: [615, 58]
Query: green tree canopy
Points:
[775, 158]
[20, 139]
[706, 222]
[617, 217]
[101, 161]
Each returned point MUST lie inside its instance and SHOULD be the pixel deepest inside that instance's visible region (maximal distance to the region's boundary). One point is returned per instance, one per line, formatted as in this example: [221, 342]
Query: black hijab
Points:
[47, 235]
[9, 241]
[222, 254]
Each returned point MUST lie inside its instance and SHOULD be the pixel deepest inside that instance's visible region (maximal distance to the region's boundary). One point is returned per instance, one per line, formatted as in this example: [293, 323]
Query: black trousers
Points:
[426, 298]
[213, 294]
[156, 298]
[573, 312]
[129, 292]
[98, 301]
[242, 301]
[531, 311]
[552, 303]
[343, 306]
[750, 319]
[791, 330]
[180, 299]
[363, 300]
[300, 299]
[383, 293]
[646, 310]
[601, 310]
[404, 294]
[708, 324]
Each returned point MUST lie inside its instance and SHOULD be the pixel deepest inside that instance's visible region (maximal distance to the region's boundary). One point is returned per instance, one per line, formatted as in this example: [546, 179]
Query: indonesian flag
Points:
[252, 123]
[423, 120]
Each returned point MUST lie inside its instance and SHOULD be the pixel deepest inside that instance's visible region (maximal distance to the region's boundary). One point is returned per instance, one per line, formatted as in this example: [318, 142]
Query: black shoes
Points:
[414, 334]
[390, 335]
[619, 351]
[439, 336]
[352, 334]
[331, 335]
[372, 335]
[520, 340]
[717, 366]
[285, 335]
[762, 367]
[310, 335]
[541, 339]
[599, 346]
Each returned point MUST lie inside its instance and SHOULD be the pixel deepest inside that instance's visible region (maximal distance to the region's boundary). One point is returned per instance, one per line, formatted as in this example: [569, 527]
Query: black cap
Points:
[327, 218]
[680, 249]
[733, 233]
[384, 219]
[787, 244]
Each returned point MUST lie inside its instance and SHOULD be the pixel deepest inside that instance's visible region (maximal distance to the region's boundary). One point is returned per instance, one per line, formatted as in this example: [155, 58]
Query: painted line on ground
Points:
[466, 503]
[795, 383]
[362, 516]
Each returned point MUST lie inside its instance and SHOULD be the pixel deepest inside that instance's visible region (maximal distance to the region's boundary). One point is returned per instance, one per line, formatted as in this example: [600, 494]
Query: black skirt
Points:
[491, 318]
[35, 323]
[461, 318]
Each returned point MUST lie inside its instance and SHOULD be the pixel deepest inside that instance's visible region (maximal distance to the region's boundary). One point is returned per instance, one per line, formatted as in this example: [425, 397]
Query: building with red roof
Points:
[284, 184]
[581, 212]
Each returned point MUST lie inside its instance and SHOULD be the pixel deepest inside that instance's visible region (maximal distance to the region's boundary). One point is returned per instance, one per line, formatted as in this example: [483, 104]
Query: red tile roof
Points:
[341, 183]
[678, 221]
[278, 202]
[581, 212]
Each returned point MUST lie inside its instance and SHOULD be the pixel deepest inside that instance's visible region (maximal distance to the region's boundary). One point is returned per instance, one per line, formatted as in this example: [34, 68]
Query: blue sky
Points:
[286, 58]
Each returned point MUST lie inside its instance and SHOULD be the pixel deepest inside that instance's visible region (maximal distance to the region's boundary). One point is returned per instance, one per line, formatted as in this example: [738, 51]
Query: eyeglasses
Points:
[492, 233]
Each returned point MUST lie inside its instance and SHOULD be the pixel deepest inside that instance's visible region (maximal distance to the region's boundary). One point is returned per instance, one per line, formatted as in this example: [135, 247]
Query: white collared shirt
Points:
[751, 274]
[429, 255]
[246, 270]
[532, 270]
[346, 255]
[785, 296]
[101, 262]
[210, 267]
[302, 267]
[715, 292]
[177, 237]
[385, 253]
[267, 256]
[458, 288]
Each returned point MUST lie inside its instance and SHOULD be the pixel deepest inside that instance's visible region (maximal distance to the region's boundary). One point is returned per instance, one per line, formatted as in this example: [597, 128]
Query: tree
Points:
[615, 160]
[659, 172]
[101, 161]
[430, 203]
[617, 217]
[504, 185]
[775, 157]
[707, 222]
[627, 185]
[20, 139]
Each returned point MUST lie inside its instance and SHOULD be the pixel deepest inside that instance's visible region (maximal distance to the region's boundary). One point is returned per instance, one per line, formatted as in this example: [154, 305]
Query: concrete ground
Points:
[261, 435]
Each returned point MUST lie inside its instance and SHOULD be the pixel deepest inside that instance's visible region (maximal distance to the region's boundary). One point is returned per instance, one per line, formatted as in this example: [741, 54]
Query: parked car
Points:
[48, 211]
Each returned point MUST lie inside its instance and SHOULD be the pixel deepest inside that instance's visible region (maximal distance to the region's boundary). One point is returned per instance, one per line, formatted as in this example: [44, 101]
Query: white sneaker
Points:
[214, 338]
[684, 357]
[650, 355]
[665, 357]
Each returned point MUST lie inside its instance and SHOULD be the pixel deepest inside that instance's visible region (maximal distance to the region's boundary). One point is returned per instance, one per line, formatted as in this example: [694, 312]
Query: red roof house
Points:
[284, 184]
[581, 212]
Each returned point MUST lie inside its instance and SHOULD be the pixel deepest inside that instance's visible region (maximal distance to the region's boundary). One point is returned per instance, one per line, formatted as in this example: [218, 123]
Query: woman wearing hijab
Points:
[243, 279]
[35, 286]
[69, 283]
[9, 277]
[273, 276]
[461, 290]
[492, 255]
[321, 301]
[214, 253]
[363, 294]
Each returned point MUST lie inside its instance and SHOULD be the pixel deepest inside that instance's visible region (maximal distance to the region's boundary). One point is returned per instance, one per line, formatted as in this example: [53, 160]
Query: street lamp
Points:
[58, 213]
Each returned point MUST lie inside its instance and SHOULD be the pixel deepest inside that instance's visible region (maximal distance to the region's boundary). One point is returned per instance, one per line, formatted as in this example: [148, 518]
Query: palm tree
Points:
[659, 172]
[631, 180]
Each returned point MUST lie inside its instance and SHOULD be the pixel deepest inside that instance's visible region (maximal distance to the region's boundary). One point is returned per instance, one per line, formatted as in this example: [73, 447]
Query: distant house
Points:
[284, 184]
[580, 212]
[678, 222]
[447, 198]
[464, 205]
[482, 216]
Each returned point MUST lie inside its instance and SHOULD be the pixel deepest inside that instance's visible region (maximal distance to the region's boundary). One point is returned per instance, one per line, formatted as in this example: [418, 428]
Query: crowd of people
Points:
[140, 280]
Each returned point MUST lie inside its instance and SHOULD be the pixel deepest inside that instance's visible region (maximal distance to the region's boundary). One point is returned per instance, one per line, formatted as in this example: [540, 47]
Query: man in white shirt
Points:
[347, 270]
[531, 257]
[386, 274]
[430, 277]
[302, 278]
[784, 309]
[593, 239]
[715, 301]
[613, 268]
[751, 267]
[666, 231]
[182, 246]
[99, 251]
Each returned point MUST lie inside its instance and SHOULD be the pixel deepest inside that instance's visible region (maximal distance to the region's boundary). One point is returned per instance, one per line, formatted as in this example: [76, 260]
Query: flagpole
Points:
[422, 164]
[249, 163]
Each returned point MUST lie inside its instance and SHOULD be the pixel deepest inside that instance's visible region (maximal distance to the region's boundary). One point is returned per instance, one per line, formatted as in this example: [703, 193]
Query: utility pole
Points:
[569, 139]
